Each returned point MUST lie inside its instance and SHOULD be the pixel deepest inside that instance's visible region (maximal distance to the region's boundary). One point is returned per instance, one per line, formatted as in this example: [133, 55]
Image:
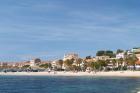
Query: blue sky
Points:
[50, 28]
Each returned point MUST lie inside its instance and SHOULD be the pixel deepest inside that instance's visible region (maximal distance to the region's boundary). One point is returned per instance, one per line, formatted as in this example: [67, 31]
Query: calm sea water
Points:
[48, 84]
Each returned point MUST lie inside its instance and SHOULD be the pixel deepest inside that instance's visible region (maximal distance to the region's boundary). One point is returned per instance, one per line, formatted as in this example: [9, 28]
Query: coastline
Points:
[109, 74]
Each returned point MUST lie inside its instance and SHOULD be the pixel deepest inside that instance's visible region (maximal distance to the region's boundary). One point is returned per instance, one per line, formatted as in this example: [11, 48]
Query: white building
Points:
[54, 64]
[136, 51]
[120, 55]
[102, 57]
[129, 52]
[3, 64]
[70, 56]
[34, 62]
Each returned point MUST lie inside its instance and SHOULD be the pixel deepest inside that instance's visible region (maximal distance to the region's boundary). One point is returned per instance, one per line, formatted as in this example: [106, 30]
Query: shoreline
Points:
[101, 74]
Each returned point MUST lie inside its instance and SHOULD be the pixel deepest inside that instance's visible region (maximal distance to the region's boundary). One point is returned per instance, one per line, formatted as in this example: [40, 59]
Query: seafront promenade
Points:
[110, 73]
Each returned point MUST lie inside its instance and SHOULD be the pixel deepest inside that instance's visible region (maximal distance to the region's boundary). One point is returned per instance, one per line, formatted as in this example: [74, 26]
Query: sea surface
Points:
[67, 84]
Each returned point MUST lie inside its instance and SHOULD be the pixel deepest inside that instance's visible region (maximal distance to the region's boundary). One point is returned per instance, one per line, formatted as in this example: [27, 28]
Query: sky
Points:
[48, 29]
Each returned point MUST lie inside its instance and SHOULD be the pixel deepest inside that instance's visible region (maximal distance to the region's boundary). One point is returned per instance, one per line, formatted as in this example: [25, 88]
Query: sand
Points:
[110, 73]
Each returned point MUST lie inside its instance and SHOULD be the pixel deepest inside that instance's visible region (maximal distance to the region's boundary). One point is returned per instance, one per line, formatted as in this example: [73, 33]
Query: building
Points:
[35, 62]
[91, 59]
[102, 57]
[129, 52]
[20, 64]
[70, 56]
[3, 64]
[136, 51]
[120, 55]
[54, 64]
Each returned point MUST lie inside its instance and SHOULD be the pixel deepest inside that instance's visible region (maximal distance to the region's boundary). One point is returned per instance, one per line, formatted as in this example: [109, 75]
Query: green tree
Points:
[120, 62]
[105, 53]
[46, 65]
[94, 65]
[114, 61]
[88, 57]
[26, 66]
[68, 63]
[50, 65]
[100, 53]
[119, 51]
[131, 60]
[102, 63]
[109, 53]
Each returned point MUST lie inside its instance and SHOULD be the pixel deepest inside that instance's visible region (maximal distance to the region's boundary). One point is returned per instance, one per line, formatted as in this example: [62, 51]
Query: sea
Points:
[68, 84]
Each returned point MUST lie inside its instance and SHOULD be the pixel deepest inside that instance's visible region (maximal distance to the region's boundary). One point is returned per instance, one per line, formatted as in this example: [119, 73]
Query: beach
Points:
[110, 73]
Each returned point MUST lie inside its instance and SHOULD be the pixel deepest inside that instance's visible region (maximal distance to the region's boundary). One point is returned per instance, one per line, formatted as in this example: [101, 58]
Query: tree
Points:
[74, 68]
[88, 57]
[119, 51]
[114, 61]
[26, 66]
[79, 61]
[46, 65]
[100, 53]
[60, 62]
[68, 63]
[50, 65]
[131, 60]
[95, 65]
[103, 63]
[109, 53]
[120, 61]
[98, 65]
[105, 53]
[84, 65]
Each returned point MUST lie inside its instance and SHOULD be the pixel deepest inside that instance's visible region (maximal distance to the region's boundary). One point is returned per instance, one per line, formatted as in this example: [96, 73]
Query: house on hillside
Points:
[35, 62]
[136, 51]
[102, 57]
[70, 56]
[120, 55]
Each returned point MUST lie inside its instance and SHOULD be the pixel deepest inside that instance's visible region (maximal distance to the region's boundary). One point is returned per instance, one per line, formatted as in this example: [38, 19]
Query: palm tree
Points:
[68, 63]
[120, 61]
[131, 60]
[92, 65]
[114, 61]
[96, 65]
[100, 64]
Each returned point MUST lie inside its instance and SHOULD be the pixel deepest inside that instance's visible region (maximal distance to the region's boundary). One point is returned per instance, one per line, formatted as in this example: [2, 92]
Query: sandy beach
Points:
[111, 73]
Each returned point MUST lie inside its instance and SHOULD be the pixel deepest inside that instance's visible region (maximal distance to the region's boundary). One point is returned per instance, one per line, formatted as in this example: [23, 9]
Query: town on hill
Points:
[105, 60]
